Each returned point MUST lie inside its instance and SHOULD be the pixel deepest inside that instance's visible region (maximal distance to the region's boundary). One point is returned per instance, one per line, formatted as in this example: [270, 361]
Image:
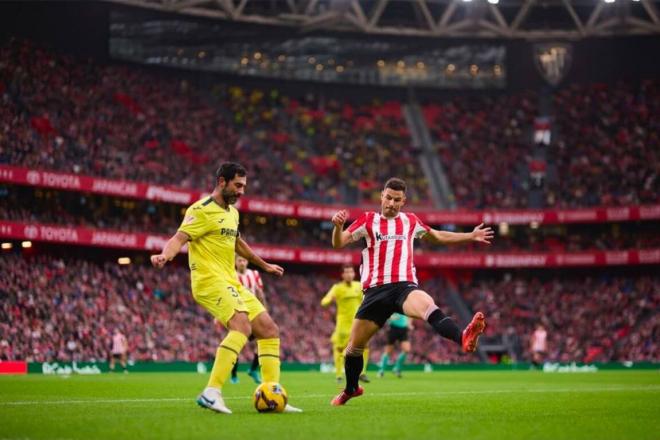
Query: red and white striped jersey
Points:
[388, 256]
[251, 279]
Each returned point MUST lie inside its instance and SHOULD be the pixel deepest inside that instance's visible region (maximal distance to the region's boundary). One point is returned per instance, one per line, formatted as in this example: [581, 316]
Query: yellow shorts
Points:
[223, 298]
[340, 337]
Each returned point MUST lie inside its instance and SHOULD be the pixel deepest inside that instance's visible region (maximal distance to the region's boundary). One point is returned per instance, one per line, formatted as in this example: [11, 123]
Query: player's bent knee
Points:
[352, 350]
[264, 327]
[240, 323]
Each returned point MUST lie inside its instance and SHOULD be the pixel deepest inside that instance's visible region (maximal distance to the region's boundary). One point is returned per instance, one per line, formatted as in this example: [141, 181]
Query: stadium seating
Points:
[66, 309]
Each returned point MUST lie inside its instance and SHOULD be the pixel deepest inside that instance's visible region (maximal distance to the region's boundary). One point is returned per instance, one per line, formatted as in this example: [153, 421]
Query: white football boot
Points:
[292, 409]
[211, 398]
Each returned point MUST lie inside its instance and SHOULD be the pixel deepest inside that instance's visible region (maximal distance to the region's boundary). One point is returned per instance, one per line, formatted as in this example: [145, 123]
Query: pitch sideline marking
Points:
[315, 396]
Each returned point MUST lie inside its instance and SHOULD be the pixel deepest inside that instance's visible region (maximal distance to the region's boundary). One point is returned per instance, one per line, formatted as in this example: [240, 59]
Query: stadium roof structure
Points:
[501, 19]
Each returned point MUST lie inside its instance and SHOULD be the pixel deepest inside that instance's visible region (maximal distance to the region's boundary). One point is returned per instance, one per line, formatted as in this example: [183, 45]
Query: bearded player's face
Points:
[233, 190]
[391, 202]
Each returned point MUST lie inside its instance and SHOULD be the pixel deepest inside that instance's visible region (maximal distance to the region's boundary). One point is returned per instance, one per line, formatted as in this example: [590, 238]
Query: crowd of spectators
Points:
[126, 122]
[604, 147]
[66, 309]
[483, 143]
[600, 317]
[608, 148]
[129, 123]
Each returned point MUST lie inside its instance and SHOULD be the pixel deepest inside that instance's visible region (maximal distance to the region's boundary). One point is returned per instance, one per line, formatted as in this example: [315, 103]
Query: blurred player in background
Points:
[210, 226]
[389, 278]
[347, 294]
[539, 345]
[252, 281]
[397, 333]
[119, 350]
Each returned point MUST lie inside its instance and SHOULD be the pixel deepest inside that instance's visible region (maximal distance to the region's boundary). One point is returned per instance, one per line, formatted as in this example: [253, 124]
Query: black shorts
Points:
[397, 334]
[381, 301]
[117, 355]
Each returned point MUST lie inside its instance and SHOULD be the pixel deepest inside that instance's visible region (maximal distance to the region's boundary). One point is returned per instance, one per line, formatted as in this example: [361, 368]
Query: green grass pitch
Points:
[460, 405]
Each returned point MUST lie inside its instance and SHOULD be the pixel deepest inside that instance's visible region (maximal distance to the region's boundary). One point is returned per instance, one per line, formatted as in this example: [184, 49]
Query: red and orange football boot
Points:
[472, 332]
[344, 397]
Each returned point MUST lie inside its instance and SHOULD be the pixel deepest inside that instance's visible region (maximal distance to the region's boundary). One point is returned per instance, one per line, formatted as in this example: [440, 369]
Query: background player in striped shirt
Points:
[347, 294]
[397, 333]
[389, 280]
[251, 280]
[119, 350]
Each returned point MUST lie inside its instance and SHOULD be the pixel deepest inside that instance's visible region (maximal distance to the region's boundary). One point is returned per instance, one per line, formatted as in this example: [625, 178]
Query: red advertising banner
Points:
[317, 211]
[13, 367]
[154, 242]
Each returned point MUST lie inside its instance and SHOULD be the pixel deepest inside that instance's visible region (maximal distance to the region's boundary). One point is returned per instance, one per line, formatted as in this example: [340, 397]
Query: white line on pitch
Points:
[315, 396]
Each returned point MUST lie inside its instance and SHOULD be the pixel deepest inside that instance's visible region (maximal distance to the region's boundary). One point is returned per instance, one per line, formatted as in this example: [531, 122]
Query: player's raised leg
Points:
[225, 358]
[419, 304]
[361, 333]
[267, 334]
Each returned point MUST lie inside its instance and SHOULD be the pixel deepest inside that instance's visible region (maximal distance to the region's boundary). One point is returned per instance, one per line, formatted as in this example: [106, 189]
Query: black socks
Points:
[445, 326]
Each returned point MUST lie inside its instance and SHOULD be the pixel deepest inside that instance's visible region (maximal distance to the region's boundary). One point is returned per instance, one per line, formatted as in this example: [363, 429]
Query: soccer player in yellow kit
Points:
[348, 296]
[210, 227]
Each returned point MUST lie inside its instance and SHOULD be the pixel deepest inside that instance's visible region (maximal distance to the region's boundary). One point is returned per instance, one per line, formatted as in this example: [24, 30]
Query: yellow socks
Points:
[226, 357]
[338, 353]
[269, 359]
[365, 356]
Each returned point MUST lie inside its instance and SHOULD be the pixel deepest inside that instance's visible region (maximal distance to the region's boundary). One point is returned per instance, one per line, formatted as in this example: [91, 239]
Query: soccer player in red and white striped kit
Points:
[389, 280]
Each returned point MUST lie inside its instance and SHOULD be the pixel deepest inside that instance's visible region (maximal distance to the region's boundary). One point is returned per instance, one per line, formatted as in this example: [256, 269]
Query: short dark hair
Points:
[346, 266]
[396, 184]
[229, 170]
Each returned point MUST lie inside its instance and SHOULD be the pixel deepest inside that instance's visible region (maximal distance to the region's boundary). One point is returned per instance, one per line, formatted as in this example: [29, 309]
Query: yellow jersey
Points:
[211, 251]
[348, 298]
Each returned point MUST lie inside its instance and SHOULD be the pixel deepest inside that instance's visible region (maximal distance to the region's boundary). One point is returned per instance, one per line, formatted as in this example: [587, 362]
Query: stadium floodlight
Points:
[124, 261]
[493, 2]
[609, 1]
[26, 244]
[7, 246]
[467, 1]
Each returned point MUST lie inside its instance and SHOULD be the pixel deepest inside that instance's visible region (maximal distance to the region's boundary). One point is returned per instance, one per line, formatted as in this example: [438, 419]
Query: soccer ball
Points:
[270, 397]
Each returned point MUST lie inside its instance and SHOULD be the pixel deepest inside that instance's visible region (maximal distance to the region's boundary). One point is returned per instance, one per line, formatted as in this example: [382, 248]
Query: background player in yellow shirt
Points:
[210, 227]
[348, 296]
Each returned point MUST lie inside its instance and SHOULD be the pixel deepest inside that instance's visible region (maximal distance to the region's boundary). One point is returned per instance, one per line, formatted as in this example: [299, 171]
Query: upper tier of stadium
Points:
[127, 122]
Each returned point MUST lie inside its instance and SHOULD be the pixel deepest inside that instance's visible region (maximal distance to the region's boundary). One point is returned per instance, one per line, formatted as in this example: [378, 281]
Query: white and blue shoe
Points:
[211, 398]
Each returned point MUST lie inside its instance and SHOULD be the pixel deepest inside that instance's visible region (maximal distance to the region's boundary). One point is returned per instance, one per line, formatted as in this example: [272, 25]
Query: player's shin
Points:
[354, 363]
[269, 359]
[442, 324]
[339, 360]
[226, 357]
[365, 360]
[400, 361]
[384, 360]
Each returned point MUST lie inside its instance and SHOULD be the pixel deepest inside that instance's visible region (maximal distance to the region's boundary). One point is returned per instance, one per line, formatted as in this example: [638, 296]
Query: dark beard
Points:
[229, 197]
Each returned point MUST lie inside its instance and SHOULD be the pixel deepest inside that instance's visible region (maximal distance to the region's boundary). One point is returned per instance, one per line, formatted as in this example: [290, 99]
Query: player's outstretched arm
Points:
[171, 249]
[340, 238]
[479, 234]
[328, 298]
[246, 252]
